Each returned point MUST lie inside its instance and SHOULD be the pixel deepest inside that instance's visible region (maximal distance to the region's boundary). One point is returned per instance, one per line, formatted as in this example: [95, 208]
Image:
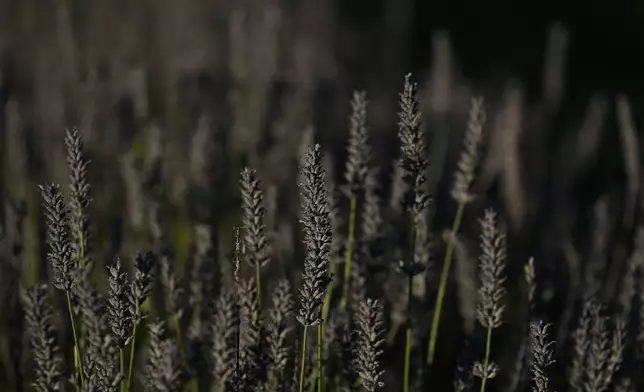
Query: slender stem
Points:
[408, 337]
[131, 364]
[348, 254]
[486, 361]
[320, 327]
[303, 358]
[447, 262]
[258, 277]
[410, 288]
[77, 353]
[122, 366]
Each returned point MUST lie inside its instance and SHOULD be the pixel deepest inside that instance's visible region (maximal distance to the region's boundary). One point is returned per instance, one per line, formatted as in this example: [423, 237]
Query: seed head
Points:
[492, 263]
[359, 151]
[470, 155]
[255, 242]
[317, 237]
[60, 249]
[370, 342]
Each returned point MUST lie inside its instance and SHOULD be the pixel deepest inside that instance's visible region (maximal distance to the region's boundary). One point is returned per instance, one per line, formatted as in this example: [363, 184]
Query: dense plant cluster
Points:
[458, 264]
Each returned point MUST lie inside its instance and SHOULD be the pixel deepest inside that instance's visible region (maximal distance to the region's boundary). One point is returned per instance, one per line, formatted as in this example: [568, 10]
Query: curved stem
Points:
[442, 287]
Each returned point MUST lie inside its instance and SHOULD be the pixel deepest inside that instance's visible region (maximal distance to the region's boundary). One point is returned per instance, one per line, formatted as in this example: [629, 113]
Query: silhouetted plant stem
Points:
[407, 371]
[348, 255]
[442, 286]
[486, 360]
[303, 358]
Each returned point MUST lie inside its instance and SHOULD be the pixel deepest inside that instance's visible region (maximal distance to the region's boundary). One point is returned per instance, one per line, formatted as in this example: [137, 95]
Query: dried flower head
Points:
[255, 242]
[317, 237]
[118, 308]
[469, 159]
[492, 263]
[60, 249]
[359, 150]
[140, 288]
[225, 328]
[543, 355]
[370, 341]
[44, 341]
[80, 197]
[279, 329]
[413, 147]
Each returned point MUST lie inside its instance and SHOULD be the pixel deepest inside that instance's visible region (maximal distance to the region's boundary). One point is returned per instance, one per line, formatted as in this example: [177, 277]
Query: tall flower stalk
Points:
[316, 221]
[463, 178]
[416, 200]
[491, 291]
[64, 266]
[356, 171]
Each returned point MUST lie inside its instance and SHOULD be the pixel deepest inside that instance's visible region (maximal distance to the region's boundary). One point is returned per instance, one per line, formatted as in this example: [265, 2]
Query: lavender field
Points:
[319, 196]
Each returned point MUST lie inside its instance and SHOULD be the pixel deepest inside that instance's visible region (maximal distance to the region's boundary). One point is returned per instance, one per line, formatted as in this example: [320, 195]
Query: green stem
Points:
[348, 254]
[122, 367]
[303, 358]
[408, 338]
[486, 361]
[447, 262]
[320, 327]
[131, 364]
[77, 353]
[258, 277]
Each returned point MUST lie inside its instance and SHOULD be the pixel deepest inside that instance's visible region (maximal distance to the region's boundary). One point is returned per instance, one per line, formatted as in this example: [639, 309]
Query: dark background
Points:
[606, 41]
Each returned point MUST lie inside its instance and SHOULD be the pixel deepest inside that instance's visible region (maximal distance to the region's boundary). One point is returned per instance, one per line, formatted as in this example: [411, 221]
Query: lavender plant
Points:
[461, 193]
[356, 173]
[227, 327]
[416, 200]
[317, 239]
[491, 291]
[60, 257]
